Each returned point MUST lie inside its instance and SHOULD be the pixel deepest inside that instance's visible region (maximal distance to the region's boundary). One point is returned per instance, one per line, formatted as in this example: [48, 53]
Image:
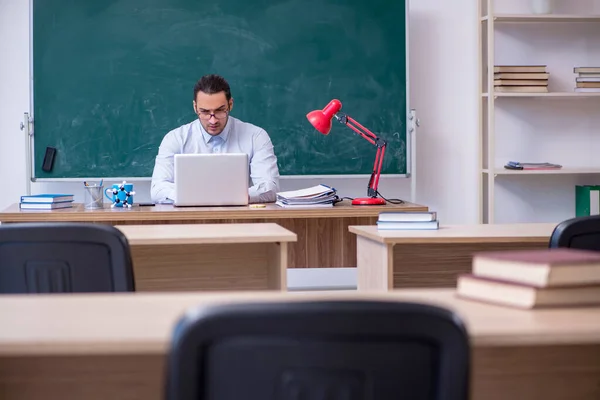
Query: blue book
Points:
[47, 198]
[45, 206]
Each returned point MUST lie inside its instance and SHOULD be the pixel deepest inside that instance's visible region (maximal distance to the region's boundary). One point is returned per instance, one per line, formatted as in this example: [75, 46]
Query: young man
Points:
[215, 131]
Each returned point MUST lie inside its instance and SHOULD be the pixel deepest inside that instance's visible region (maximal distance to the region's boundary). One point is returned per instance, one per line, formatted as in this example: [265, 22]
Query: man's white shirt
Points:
[237, 137]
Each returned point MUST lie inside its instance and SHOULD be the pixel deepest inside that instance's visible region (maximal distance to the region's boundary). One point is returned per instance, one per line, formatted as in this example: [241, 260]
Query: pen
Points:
[101, 180]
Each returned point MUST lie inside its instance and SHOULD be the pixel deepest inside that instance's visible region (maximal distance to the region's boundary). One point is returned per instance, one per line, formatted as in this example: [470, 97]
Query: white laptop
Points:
[211, 179]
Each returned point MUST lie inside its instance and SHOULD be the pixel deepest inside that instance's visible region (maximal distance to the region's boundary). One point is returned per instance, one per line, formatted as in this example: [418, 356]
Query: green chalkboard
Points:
[112, 77]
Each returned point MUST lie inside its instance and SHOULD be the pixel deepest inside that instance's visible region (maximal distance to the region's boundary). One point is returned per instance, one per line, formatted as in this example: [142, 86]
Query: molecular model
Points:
[127, 196]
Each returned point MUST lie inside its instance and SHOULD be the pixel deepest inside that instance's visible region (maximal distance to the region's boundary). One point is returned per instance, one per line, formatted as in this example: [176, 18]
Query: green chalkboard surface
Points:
[112, 77]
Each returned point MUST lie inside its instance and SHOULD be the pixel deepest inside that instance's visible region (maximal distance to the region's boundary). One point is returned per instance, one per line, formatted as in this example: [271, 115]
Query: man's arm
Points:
[263, 170]
[163, 188]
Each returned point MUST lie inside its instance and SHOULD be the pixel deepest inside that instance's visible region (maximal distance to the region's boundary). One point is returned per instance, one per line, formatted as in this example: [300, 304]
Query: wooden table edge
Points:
[160, 347]
[124, 215]
[445, 239]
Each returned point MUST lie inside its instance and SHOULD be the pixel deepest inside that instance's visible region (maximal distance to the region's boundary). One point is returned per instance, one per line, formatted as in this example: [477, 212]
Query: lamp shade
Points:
[321, 119]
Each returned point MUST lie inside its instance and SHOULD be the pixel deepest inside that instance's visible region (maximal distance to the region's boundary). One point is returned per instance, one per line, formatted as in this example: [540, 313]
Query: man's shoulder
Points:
[181, 129]
[246, 127]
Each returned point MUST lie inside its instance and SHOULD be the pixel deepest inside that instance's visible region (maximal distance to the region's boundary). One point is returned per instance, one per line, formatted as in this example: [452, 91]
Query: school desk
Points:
[209, 256]
[323, 237]
[434, 258]
[113, 346]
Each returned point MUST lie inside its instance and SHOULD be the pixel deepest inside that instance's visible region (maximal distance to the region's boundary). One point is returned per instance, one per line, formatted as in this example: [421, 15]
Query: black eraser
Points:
[49, 159]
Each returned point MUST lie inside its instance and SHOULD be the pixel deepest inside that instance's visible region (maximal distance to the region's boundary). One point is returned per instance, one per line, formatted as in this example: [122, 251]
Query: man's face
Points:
[213, 111]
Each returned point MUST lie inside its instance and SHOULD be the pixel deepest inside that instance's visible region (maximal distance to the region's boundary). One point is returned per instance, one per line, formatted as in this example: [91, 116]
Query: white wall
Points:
[443, 74]
[14, 97]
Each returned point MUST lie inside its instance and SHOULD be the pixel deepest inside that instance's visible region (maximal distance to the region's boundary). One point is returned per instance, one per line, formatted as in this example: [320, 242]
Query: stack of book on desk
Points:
[521, 78]
[389, 220]
[313, 197]
[587, 80]
[534, 278]
[46, 201]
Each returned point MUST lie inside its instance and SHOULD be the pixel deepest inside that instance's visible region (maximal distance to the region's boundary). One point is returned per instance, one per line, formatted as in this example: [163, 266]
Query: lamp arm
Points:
[374, 140]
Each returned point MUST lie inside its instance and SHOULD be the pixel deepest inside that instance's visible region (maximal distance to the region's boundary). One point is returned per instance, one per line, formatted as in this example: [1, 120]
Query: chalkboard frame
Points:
[410, 126]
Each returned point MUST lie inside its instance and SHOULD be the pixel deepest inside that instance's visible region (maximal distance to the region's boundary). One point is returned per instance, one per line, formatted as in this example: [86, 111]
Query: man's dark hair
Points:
[211, 84]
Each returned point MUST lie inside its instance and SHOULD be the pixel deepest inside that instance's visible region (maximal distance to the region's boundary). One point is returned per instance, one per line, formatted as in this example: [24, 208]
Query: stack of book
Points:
[587, 80]
[313, 197]
[557, 277]
[46, 201]
[521, 78]
[389, 220]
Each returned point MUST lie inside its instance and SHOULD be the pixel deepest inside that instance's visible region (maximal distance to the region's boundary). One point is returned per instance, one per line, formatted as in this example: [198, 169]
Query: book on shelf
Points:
[516, 165]
[584, 79]
[586, 70]
[521, 79]
[521, 89]
[594, 85]
[318, 196]
[389, 220]
[520, 76]
[533, 278]
[520, 82]
[587, 90]
[519, 69]
[587, 200]
[587, 79]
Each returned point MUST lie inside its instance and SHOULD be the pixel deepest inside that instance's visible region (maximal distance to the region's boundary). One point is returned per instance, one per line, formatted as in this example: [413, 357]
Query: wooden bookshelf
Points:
[549, 94]
[562, 171]
[560, 131]
[542, 18]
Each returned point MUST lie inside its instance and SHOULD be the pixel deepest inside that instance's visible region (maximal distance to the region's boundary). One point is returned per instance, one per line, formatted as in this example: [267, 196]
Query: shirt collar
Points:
[223, 135]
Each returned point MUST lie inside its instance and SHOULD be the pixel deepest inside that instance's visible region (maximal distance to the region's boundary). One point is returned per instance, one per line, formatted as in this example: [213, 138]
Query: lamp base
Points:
[368, 201]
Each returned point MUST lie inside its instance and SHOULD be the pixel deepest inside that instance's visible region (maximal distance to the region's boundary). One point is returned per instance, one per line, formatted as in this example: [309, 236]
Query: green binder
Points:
[587, 200]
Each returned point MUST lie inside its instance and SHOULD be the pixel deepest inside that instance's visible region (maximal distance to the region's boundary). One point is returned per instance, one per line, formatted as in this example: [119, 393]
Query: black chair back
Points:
[351, 350]
[64, 258]
[578, 233]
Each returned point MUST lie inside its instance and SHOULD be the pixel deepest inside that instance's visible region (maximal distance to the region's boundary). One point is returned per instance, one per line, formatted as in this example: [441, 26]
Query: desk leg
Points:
[277, 266]
[374, 265]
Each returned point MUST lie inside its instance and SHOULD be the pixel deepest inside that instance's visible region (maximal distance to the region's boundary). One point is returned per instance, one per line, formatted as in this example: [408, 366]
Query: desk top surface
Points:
[481, 233]
[166, 212]
[142, 323]
[206, 233]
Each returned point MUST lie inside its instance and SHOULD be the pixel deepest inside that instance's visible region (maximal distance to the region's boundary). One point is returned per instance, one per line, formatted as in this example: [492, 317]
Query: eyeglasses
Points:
[205, 115]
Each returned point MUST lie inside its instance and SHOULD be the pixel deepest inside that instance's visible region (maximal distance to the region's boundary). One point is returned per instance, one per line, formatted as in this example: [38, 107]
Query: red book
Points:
[540, 268]
[524, 296]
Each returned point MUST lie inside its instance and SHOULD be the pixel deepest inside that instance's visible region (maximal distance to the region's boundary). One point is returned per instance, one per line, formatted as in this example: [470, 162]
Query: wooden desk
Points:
[434, 258]
[209, 256]
[113, 346]
[323, 237]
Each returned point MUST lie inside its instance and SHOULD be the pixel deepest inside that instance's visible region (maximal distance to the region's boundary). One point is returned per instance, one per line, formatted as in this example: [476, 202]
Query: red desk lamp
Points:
[321, 120]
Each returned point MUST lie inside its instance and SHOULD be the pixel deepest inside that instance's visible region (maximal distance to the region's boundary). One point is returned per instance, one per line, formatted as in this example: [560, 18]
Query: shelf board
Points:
[543, 18]
[562, 171]
[549, 94]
